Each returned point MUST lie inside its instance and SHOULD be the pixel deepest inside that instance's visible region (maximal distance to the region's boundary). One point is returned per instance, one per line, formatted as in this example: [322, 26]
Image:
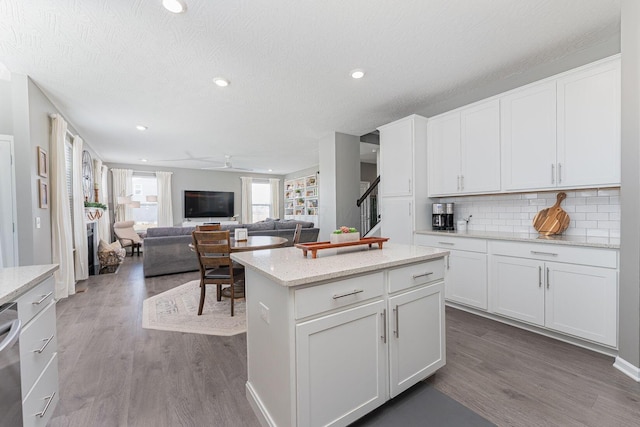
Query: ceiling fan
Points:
[227, 165]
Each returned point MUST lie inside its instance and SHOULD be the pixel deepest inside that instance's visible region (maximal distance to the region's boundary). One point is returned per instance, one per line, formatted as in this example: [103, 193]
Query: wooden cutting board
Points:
[553, 220]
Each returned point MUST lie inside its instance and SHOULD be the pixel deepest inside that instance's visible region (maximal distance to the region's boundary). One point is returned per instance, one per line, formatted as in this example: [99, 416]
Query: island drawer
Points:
[35, 300]
[415, 275]
[329, 296]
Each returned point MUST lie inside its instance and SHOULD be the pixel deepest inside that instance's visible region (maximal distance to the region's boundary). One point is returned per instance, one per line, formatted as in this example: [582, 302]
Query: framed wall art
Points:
[43, 163]
[43, 194]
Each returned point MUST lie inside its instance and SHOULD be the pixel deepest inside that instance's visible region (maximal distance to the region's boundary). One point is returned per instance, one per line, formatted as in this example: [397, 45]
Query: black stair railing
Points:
[368, 204]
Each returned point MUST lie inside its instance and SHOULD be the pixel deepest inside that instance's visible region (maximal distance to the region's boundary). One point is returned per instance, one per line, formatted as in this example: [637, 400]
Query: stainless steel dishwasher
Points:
[10, 391]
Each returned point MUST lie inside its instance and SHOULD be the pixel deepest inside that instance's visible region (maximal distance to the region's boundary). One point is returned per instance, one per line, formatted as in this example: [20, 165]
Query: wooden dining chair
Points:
[208, 227]
[216, 268]
[297, 233]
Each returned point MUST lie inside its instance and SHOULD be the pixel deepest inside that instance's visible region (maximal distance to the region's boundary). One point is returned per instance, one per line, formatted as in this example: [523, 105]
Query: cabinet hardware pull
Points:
[539, 276]
[409, 185]
[461, 182]
[553, 174]
[458, 183]
[446, 243]
[49, 399]
[544, 253]
[355, 291]
[41, 300]
[548, 278]
[397, 331]
[559, 173]
[415, 276]
[46, 343]
[384, 325]
[448, 261]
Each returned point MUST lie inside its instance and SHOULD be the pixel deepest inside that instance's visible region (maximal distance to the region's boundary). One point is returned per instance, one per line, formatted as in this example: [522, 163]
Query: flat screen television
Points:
[208, 204]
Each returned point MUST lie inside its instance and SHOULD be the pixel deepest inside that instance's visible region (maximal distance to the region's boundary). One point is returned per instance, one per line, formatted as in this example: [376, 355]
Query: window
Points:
[260, 201]
[147, 214]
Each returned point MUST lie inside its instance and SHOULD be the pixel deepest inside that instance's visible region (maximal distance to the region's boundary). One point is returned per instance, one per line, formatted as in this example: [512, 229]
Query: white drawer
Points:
[38, 343]
[35, 300]
[328, 296]
[38, 406]
[597, 257]
[416, 274]
[452, 242]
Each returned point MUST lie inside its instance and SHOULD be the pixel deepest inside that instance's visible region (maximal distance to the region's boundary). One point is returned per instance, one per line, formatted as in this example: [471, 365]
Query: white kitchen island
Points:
[332, 338]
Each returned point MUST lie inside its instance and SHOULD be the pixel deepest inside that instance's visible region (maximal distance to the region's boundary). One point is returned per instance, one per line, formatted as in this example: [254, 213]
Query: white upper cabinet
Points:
[443, 142]
[589, 126]
[528, 131]
[464, 150]
[564, 132]
[396, 158]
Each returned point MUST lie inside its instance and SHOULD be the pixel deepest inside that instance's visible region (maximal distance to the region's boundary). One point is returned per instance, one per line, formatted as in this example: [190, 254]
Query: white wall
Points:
[6, 109]
[196, 179]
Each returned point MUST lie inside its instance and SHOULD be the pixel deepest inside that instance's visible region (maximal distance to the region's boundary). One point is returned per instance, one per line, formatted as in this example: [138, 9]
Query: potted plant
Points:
[94, 210]
[344, 234]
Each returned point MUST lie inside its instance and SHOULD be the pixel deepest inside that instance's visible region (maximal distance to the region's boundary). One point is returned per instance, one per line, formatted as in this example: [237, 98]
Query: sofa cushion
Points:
[169, 231]
[260, 226]
[286, 224]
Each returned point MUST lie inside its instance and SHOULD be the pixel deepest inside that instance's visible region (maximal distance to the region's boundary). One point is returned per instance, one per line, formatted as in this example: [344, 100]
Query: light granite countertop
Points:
[15, 281]
[288, 267]
[595, 242]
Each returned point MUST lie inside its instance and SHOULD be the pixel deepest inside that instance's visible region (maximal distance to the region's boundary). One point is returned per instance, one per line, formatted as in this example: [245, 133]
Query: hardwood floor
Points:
[114, 373]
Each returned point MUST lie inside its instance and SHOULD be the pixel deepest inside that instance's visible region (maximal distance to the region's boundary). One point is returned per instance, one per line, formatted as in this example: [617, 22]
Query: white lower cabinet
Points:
[326, 354]
[465, 268]
[416, 339]
[579, 300]
[341, 366]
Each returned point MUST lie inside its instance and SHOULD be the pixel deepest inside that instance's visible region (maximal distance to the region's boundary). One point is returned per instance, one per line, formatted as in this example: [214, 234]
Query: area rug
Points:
[177, 310]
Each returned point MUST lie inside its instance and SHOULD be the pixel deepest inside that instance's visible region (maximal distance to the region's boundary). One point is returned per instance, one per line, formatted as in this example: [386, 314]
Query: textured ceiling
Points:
[111, 64]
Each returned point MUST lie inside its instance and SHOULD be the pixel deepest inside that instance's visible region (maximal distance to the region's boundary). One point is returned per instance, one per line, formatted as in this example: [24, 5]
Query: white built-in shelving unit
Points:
[301, 198]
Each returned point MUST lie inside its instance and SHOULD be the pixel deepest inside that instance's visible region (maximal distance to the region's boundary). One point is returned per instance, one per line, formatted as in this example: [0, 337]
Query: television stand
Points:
[203, 222]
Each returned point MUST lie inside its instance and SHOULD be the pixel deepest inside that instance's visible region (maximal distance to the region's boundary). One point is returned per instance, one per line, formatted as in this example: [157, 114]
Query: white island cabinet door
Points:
[582, 301]
[416, 336]
[528, 136]
[589, 126]
[341, 366]
[517, 288]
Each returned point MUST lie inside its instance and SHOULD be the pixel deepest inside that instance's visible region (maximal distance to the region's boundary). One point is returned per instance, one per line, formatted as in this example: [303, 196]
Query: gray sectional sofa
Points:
[166, 249]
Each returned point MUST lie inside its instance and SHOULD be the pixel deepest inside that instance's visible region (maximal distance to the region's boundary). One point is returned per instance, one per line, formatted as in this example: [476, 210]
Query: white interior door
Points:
[8, 241]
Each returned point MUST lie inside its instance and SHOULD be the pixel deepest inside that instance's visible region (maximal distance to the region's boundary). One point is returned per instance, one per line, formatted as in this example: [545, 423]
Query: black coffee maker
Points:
[448, 217]
[438, 217]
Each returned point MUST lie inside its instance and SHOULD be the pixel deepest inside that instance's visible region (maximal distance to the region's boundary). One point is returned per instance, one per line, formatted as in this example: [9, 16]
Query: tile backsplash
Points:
[593, 212]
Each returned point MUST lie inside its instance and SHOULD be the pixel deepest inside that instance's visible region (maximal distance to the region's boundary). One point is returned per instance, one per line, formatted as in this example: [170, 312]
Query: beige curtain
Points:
[165, 209]
[104, 223]
[61, 233]
[275, 197]
[246, 200]
[122, 187]
[79, 225]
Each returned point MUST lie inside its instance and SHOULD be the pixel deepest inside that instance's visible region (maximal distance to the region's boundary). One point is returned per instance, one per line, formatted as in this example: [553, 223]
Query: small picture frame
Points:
[43, 163]
[241, 234]
[43, 194]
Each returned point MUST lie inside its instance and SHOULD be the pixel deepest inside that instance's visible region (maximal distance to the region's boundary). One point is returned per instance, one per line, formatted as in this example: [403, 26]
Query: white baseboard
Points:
[627, 368]
[258, 407]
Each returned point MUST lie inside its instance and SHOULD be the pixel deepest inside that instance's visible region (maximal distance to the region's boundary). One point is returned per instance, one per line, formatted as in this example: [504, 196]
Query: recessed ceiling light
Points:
[143, 160]
[357, 74]
[222, 82]
[174, 6]
[141, 127]
[270, 170]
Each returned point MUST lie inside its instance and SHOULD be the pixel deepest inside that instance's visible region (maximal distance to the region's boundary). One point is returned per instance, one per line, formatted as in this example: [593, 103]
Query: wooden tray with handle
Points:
[553, 220]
